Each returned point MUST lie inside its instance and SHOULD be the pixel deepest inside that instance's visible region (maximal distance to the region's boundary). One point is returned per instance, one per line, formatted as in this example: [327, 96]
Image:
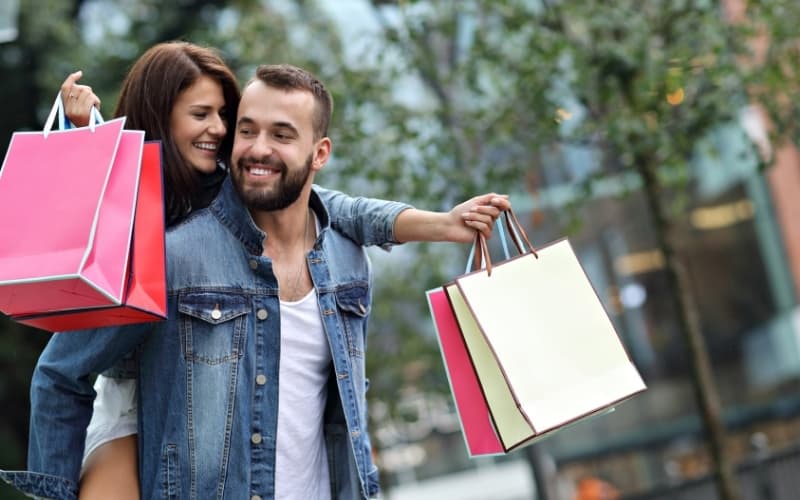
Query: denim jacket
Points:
[208, 375]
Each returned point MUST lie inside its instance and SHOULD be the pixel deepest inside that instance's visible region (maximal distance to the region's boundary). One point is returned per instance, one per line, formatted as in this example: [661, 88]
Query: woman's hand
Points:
[78, 100]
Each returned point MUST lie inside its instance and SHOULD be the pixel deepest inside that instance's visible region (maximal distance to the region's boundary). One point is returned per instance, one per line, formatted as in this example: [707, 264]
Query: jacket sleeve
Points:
[61, 405]
[366, 221]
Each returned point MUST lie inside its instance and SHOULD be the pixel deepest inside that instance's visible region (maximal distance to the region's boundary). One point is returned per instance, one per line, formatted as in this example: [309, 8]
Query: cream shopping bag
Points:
[542, 346]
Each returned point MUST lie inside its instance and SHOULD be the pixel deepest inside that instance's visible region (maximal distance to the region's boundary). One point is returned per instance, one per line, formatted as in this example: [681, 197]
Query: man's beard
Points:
[286, 191]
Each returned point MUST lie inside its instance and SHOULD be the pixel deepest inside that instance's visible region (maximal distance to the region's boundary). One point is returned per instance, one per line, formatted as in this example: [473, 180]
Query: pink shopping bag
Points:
[473, 413]
[67, 204]
[145, 295]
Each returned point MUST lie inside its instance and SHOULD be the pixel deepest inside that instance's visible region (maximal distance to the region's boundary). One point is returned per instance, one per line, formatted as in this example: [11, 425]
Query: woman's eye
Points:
[199, 116]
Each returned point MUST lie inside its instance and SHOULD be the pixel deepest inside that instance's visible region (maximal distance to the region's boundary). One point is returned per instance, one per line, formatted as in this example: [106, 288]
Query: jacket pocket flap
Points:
[212, 308]
[354, 299]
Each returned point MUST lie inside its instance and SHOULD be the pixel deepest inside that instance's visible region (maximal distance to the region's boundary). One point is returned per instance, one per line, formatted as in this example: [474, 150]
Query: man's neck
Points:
[285, 228]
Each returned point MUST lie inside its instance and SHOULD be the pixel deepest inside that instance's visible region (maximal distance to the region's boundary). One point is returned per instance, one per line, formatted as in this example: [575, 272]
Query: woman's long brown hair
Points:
[148, 95]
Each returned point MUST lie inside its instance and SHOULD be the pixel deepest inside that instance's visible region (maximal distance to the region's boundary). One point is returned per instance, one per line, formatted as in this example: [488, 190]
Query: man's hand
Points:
[476, 214]
[458, 225]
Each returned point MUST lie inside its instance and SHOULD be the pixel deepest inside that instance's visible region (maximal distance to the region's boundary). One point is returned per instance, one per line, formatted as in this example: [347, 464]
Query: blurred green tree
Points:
[641, 84]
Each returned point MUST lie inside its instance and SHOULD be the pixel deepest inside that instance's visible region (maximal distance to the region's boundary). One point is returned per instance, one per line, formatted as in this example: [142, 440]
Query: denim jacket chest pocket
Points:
[354, 306]
[212, 326]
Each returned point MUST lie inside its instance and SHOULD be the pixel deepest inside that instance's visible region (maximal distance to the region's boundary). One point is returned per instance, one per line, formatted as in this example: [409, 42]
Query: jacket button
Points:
[255, 497]
[261, 379]
[216, 314]
[262, 314]
[255, 438]
[253, 264]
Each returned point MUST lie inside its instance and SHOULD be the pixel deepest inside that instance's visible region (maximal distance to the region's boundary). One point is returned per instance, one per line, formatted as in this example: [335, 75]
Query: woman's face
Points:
[198, 123]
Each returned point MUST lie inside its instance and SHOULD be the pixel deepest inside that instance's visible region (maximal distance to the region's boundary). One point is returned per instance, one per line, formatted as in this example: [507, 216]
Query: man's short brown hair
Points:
[288, 77]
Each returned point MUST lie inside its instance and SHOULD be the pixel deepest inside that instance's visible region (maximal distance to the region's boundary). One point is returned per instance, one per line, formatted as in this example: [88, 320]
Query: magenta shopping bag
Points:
[67, 206]
[473, 413]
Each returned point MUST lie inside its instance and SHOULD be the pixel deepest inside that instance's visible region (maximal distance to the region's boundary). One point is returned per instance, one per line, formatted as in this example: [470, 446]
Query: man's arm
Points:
[371, 221]
[458, 225]
[110, 463]
[366, 221]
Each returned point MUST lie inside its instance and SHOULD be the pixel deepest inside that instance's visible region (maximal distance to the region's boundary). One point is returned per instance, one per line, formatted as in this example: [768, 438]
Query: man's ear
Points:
[322, 151]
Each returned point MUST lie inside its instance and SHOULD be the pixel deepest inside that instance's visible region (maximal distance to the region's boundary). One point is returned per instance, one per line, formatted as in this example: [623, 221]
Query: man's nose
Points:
[261, 146]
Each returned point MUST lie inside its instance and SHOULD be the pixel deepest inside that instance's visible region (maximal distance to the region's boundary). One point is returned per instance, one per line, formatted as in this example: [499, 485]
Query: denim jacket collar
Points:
[230, 210]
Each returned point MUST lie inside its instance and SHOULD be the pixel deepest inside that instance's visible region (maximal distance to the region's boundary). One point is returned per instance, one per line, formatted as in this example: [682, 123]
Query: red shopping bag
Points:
[473, 413]
[70, 198]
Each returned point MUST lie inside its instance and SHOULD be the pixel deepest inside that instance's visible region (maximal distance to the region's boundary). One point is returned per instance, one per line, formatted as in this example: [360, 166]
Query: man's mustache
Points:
[262, 162]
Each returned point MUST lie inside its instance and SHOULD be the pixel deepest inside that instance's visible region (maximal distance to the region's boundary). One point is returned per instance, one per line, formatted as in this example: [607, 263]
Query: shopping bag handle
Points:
[480, 249]
[517, 233]
[63, 124]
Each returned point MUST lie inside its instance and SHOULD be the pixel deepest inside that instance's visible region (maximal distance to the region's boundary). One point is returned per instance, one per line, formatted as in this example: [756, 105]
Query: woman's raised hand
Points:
[78, 100]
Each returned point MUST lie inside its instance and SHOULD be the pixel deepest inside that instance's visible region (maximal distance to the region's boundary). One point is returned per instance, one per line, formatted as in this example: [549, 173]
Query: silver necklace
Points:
[296, 286]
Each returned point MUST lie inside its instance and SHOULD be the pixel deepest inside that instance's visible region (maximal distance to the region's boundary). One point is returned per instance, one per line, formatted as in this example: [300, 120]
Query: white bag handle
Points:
[63, 124]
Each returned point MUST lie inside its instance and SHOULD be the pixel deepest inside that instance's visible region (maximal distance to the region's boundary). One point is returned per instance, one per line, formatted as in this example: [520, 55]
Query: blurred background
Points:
[659, 136]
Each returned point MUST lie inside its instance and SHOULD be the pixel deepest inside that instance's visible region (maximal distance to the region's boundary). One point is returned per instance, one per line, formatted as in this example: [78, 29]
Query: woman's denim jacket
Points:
[208, 375]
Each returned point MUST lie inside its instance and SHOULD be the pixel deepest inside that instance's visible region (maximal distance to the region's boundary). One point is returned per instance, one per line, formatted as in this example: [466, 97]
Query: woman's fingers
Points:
[70, 82]
[78, 99]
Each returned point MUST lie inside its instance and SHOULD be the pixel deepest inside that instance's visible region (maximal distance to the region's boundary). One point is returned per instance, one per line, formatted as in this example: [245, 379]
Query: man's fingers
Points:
[481, 226]
[501, 202]
[490, 210]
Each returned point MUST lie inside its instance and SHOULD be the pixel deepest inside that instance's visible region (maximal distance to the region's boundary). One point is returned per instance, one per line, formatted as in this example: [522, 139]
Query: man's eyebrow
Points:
[281, 125]
[286, 125]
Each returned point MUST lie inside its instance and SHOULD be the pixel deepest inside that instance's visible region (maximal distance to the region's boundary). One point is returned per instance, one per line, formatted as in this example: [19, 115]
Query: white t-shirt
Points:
[301, 464]
[301, 461]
